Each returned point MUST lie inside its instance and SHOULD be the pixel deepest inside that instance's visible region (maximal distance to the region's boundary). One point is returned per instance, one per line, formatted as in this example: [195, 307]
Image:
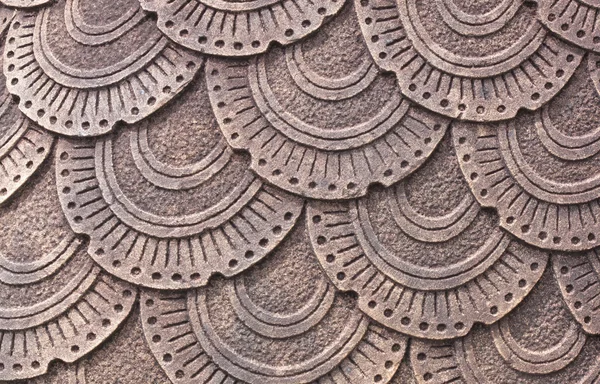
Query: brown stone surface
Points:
[300, 191]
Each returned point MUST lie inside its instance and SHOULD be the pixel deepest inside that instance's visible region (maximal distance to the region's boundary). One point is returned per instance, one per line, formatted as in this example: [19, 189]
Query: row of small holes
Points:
[565, 27]
[525, 229]
[17, 178]
[423, 326]
[312, 184]
[167, 357]
[233, 263]
[202, 40]
[444, 103]
[569, 288]
[74, 348]
[350, 185]
[543, 235]
[103, 123]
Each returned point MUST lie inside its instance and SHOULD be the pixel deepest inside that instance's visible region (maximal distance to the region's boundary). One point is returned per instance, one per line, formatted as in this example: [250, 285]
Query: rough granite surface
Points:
[300, 191]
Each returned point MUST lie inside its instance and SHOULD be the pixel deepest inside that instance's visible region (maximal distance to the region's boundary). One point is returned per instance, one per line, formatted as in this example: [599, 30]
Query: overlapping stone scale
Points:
[318, 118]
[539, 342]
[423, 256]
[477, 62]
[540, 171]
[167, 203]
[261, 328]
[23, 144]
[79, 67]
[234, 28]
[576, 21]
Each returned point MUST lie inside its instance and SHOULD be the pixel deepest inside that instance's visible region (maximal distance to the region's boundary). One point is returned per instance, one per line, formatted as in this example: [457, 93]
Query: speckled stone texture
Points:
[300, 191]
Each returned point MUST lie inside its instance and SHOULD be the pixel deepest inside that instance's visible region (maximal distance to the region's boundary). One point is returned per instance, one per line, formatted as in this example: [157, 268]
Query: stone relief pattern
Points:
[293, 191]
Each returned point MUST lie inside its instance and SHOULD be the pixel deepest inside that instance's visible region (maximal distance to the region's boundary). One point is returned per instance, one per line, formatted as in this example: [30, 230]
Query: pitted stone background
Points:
[300, 191]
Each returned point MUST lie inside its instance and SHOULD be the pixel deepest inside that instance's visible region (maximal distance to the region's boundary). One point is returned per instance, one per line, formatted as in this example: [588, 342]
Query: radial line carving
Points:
[428, 266]
[23, 145]
[578, 276]
[509, 64]
[319, 129]
[573, 20]
[547, 347]
[171, 222]
[540, 170]
[100, 75]
[320, 335]
[23, 148]
[231, 28]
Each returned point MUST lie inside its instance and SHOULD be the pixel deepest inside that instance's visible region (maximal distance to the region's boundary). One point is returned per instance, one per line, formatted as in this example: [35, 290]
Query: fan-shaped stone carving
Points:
[81, 66]
[541, 171]
[422, 256]
[55, 303]
[318, 118]
[234, 28]
[479, 62]
[573, 20]
[539, 342]
[259, 328]
[167, 203]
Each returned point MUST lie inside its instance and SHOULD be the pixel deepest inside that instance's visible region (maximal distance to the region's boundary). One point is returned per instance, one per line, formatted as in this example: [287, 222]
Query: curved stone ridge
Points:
[23, 145]
[239, 28]
[540, 171]
[322, 129]
[512, 63]
[197, 209]
[99, 74]
[23, 148]
[427, 267]
[573, 20]
[540, 351]
[320, 335]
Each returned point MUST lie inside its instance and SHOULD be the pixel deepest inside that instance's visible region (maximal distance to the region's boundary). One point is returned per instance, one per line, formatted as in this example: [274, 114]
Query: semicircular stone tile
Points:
[478, 62]
[539, 342]
[318, 118]
[424, 258]
[541, 171]
[233, 28]
[55, 302]
[166, 203]
[573, 20]
[578, 276]
[81, 66]
[280, 322]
